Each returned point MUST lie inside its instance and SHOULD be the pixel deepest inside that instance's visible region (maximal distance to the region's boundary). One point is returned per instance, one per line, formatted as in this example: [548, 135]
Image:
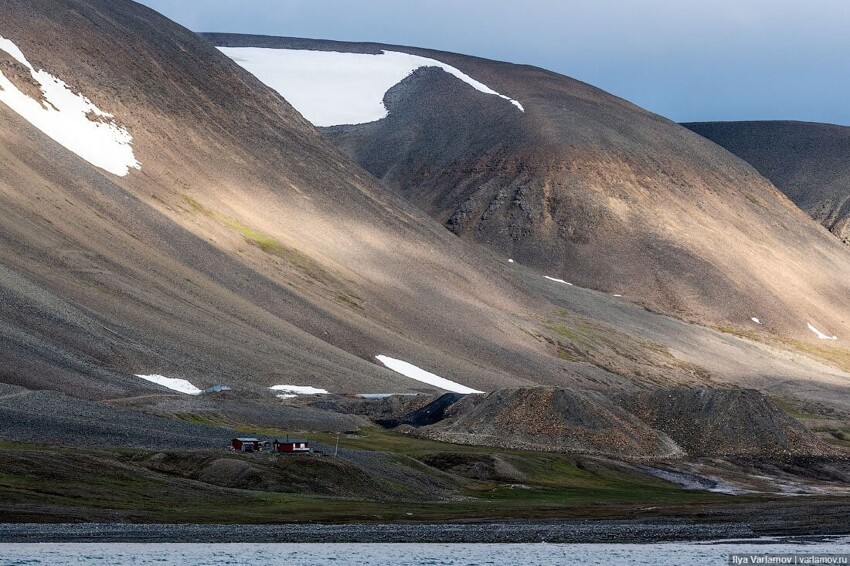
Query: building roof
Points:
[247, 439]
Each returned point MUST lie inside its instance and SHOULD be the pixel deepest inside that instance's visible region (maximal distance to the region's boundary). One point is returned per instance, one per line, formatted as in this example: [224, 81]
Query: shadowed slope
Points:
[808, 162]
[710, 422]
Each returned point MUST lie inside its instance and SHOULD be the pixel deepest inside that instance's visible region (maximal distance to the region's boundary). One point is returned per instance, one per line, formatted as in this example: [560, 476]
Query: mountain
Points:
[808, 162]
[165, 214]
[569, 180]
[226, 243]
[185, 258]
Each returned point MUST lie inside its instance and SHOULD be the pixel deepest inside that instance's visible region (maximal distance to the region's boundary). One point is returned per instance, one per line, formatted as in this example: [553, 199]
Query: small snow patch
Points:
[820, 334]
[66, 117]
[385, 395]
[330, 88]
[558, 281]
[510, 261]
[419, 374]
[757, 321]
[179, 385]
[293, 390]
[618, 295]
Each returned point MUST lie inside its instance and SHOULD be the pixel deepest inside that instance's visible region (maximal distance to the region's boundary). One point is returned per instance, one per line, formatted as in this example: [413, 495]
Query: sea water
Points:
[663, 554]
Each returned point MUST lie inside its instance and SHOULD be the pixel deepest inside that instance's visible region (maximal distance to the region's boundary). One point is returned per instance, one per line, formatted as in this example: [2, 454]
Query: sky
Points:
[689, 60]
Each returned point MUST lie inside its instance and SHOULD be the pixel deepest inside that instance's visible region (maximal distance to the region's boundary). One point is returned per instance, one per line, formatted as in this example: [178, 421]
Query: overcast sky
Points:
[689, 60]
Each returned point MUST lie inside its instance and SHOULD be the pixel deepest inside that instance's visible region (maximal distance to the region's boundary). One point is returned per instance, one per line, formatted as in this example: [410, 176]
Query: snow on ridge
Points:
[70, 119]
[419, 374]
[820, 334]
[331, 88]
[558, 280]
[179, 385]
[756, 320]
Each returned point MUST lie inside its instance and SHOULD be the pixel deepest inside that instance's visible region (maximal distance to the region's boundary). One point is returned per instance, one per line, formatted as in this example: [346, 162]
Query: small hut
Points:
[296, 446]
[245, 444]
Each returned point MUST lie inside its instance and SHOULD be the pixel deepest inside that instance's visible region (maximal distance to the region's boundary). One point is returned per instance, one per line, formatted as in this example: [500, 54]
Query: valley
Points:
[482, 291]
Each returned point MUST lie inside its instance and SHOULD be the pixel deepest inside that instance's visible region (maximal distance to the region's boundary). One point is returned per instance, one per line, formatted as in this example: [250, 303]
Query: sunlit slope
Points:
[587, 188]
[245, 250]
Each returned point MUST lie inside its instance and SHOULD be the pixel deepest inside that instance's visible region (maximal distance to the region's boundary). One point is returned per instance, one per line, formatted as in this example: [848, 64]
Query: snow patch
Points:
[510, 261]
[179, 385]
[618, 295]
[757, 321]
[559, 281]
[385, 395]
[695, 482]
[419, 374]
[820, 334]
[70, 119]
[330, 88]
[293, 390]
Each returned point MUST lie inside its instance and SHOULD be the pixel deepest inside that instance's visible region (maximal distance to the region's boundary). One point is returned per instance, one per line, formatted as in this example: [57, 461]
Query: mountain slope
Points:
[246, 250]
[236, 246]
[808, 162]
[585, 187]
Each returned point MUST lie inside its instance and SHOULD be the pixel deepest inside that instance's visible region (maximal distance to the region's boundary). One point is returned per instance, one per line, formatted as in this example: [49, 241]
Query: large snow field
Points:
[330, 88]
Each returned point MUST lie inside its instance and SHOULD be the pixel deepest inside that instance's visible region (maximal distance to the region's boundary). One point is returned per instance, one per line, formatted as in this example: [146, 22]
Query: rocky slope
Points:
[222, 240]
[245, 250]
[551, 419]
[650, 425]
[808, 162]
[732, 422]
[588, 188]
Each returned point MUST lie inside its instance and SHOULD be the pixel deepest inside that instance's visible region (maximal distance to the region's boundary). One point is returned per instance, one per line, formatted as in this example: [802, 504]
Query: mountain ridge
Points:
[590, 189]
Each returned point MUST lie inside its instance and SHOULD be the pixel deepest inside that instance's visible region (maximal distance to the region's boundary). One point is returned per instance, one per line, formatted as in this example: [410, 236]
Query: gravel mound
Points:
[724, 422]
[553, 419]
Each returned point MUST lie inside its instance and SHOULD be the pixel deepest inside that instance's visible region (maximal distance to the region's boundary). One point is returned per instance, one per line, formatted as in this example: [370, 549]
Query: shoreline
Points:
[572, 532]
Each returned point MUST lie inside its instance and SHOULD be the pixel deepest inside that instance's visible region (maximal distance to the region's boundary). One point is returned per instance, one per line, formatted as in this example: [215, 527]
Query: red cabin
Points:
[297, 446]
[245, 444]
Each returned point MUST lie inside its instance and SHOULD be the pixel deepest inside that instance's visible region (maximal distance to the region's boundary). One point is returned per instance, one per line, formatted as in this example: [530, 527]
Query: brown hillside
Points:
[592, 189]
[247, 250]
